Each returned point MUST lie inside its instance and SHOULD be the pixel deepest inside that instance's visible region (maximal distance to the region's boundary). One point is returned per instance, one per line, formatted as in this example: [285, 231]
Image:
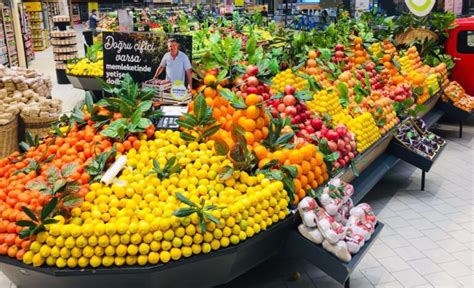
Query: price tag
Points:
[171, 115]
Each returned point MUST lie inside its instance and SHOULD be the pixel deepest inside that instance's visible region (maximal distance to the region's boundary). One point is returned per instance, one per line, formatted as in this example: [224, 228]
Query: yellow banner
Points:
[32, 6]
[93, 5]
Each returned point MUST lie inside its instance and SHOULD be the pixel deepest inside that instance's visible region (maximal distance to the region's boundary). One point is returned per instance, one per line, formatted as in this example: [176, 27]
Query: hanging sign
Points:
[420, 7]
[139, 54]
[92, 6]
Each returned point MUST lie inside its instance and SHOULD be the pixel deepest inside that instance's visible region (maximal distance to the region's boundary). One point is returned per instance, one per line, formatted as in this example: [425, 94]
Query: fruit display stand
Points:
[374, 164]
[65, 48]
[84, 82]
[316, 255]
[454, 113]
[225, 264]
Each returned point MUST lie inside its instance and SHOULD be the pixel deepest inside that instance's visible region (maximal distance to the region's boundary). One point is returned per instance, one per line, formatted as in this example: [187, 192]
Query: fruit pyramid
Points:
[287, 77]
[326, 101]
[365, 129]
[135, 221]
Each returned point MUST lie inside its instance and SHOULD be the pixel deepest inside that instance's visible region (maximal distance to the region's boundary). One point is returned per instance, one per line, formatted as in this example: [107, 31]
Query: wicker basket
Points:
[9, 138]
[38, 126]
[415, 34]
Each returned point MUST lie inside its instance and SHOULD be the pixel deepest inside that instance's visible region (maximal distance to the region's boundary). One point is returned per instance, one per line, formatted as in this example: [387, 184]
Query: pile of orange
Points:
[309, 162]
[253, 119]
[360, 55]
[312, 68]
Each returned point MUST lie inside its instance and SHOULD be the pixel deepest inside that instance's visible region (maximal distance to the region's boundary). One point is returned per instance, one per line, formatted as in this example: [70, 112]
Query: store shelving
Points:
[27, 36]
[52, 7]
[3, 46]
[9, 36]
[39, 31]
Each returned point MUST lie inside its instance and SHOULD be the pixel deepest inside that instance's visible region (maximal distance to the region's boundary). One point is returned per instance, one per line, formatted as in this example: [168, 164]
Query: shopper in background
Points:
[176, 63]
[93, 21]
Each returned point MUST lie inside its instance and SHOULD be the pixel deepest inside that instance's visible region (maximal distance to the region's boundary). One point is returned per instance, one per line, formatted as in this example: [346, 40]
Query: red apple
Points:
[290, 90]
[252, 70]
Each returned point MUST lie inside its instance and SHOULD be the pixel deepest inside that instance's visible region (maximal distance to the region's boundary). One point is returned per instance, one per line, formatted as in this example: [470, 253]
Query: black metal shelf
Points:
[324, 260]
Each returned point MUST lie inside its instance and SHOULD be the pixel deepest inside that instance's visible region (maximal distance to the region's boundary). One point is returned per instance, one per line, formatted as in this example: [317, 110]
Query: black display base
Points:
[412, 157]
[205, 270]
[324, 260]
[455, 113]
[61, 76]
[62, 26]
[85, 83]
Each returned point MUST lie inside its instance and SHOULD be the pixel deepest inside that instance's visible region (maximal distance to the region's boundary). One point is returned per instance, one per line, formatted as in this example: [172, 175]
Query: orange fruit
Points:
[258, 135]
[260, 151]
[358, 40]
[306, 167]
[250, 138]
[296, 156]
[311, 63]
[210, 80]
[262, 162]
[312, 54]
[252, 99]
[279, 155]
[210, 92]
[249, 125]
[260, 123]
[252, 112]
[319, 159]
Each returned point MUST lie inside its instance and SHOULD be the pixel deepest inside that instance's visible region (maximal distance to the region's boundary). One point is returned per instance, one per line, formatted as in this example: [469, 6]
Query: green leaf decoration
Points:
[29, 213]
[184, 212]
[343, 92]
[89, 102]
[49, 208]
[185, 200]
[187, 137]
[69, 169]
[226, 172]
[221, 147]
[211, 131]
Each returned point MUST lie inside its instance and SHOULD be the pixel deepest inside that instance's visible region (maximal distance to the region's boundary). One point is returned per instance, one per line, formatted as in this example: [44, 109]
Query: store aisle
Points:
[44, 62]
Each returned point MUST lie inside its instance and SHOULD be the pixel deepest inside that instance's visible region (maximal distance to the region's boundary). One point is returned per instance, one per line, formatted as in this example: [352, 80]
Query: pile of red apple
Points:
[401, 92]
[249, 84]
[340, 140]
[340, 57]
[290, 106]
[375, 79]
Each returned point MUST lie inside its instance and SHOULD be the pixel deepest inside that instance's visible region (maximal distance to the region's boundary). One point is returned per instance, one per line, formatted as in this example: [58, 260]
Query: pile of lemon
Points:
[287, 77]
[365, 130]
[326, 101]
[86, 67]
[132, 221]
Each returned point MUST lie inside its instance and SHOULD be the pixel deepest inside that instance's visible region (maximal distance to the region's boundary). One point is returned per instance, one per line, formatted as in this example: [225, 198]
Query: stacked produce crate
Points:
[65, 48]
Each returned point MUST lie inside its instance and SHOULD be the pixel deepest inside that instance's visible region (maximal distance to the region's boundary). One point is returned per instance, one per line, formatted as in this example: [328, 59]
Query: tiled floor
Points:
[428, 239]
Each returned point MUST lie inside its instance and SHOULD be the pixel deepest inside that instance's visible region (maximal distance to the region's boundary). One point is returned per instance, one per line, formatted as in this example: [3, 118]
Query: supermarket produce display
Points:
[106, 197]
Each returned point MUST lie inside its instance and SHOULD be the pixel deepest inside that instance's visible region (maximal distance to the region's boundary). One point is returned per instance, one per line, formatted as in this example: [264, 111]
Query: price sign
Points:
[170, 115]
[420, 7]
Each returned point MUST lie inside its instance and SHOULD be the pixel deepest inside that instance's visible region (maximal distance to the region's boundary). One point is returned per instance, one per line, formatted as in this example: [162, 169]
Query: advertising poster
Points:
[458, 7]
[449, 5]
[140, 54]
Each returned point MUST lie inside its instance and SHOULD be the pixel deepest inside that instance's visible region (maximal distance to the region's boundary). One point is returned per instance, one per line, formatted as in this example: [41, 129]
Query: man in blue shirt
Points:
[93, 20]
[176, 63]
